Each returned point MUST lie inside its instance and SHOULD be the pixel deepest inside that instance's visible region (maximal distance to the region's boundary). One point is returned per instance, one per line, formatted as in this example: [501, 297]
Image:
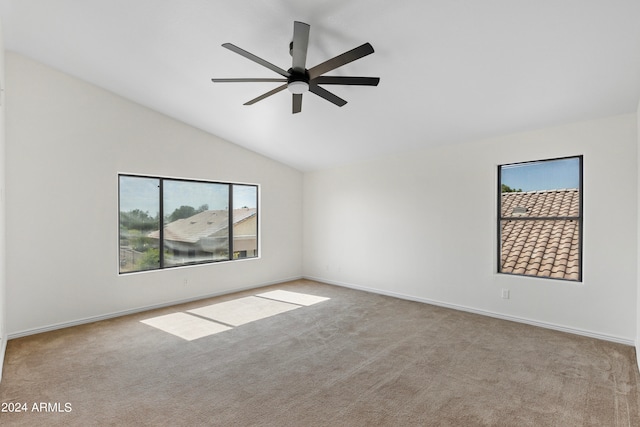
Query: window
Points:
[540, 218]
[174, 222]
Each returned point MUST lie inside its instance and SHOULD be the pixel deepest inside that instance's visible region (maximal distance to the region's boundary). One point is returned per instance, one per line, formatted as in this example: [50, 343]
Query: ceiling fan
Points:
[299, 79]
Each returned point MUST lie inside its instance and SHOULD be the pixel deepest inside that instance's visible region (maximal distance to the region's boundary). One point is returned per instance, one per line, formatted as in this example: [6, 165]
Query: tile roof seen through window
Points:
[541, 247]
[203, 224]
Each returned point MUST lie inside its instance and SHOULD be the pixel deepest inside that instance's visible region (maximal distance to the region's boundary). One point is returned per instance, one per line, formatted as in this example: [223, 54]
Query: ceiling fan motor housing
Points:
[297, 82]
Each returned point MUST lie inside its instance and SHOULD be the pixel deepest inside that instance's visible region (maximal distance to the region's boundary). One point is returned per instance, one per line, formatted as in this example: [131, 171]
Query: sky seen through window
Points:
[543, 175]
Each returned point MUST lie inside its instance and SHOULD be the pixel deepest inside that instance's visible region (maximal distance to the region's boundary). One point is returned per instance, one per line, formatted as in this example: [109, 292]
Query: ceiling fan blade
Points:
[299, 46]
[247, 80]
[265, 95]
[323, 93]
[297, 102]
[340, 60]
[340, 80]
[256, 59]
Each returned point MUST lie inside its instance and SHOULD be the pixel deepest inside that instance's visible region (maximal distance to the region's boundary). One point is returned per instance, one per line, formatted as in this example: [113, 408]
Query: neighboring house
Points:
[206, 234]
[547, 248]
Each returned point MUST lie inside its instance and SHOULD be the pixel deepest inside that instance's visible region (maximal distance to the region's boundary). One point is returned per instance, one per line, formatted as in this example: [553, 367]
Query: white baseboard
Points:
[92, 319]
[537, 323]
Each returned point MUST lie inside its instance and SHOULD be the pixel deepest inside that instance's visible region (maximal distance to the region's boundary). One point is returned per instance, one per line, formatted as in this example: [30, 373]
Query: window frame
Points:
[161, 213]
[579, 219]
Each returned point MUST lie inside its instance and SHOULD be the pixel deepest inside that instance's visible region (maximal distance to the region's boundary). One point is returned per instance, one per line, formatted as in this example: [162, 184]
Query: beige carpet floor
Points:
[354, 359]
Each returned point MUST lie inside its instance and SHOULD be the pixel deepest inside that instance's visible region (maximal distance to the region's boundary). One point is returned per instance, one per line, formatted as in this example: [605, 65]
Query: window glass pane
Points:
[540, 218]
[542, 175]
[245, 221]
[543, 248]
[196, 222]
[139, 204]
[167, 222]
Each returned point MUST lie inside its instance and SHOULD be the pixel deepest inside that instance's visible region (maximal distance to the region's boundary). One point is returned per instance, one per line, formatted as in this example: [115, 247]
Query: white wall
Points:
[66, 143]
[422, 225]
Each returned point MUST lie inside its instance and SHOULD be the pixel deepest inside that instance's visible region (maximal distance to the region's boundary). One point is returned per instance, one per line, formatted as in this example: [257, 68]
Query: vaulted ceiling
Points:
[450, 70]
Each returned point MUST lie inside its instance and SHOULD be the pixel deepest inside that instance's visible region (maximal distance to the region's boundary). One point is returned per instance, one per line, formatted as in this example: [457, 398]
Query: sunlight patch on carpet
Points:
[243, 310]
[194, 324]
[185, 325]
[293, 297]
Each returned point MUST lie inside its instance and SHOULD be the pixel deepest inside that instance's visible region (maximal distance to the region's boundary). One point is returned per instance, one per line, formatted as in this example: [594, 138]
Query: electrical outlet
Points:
[185, 282]
[505, 294]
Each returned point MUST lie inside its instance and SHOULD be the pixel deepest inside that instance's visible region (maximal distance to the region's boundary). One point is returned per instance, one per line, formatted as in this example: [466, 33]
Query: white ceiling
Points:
[451, 70]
